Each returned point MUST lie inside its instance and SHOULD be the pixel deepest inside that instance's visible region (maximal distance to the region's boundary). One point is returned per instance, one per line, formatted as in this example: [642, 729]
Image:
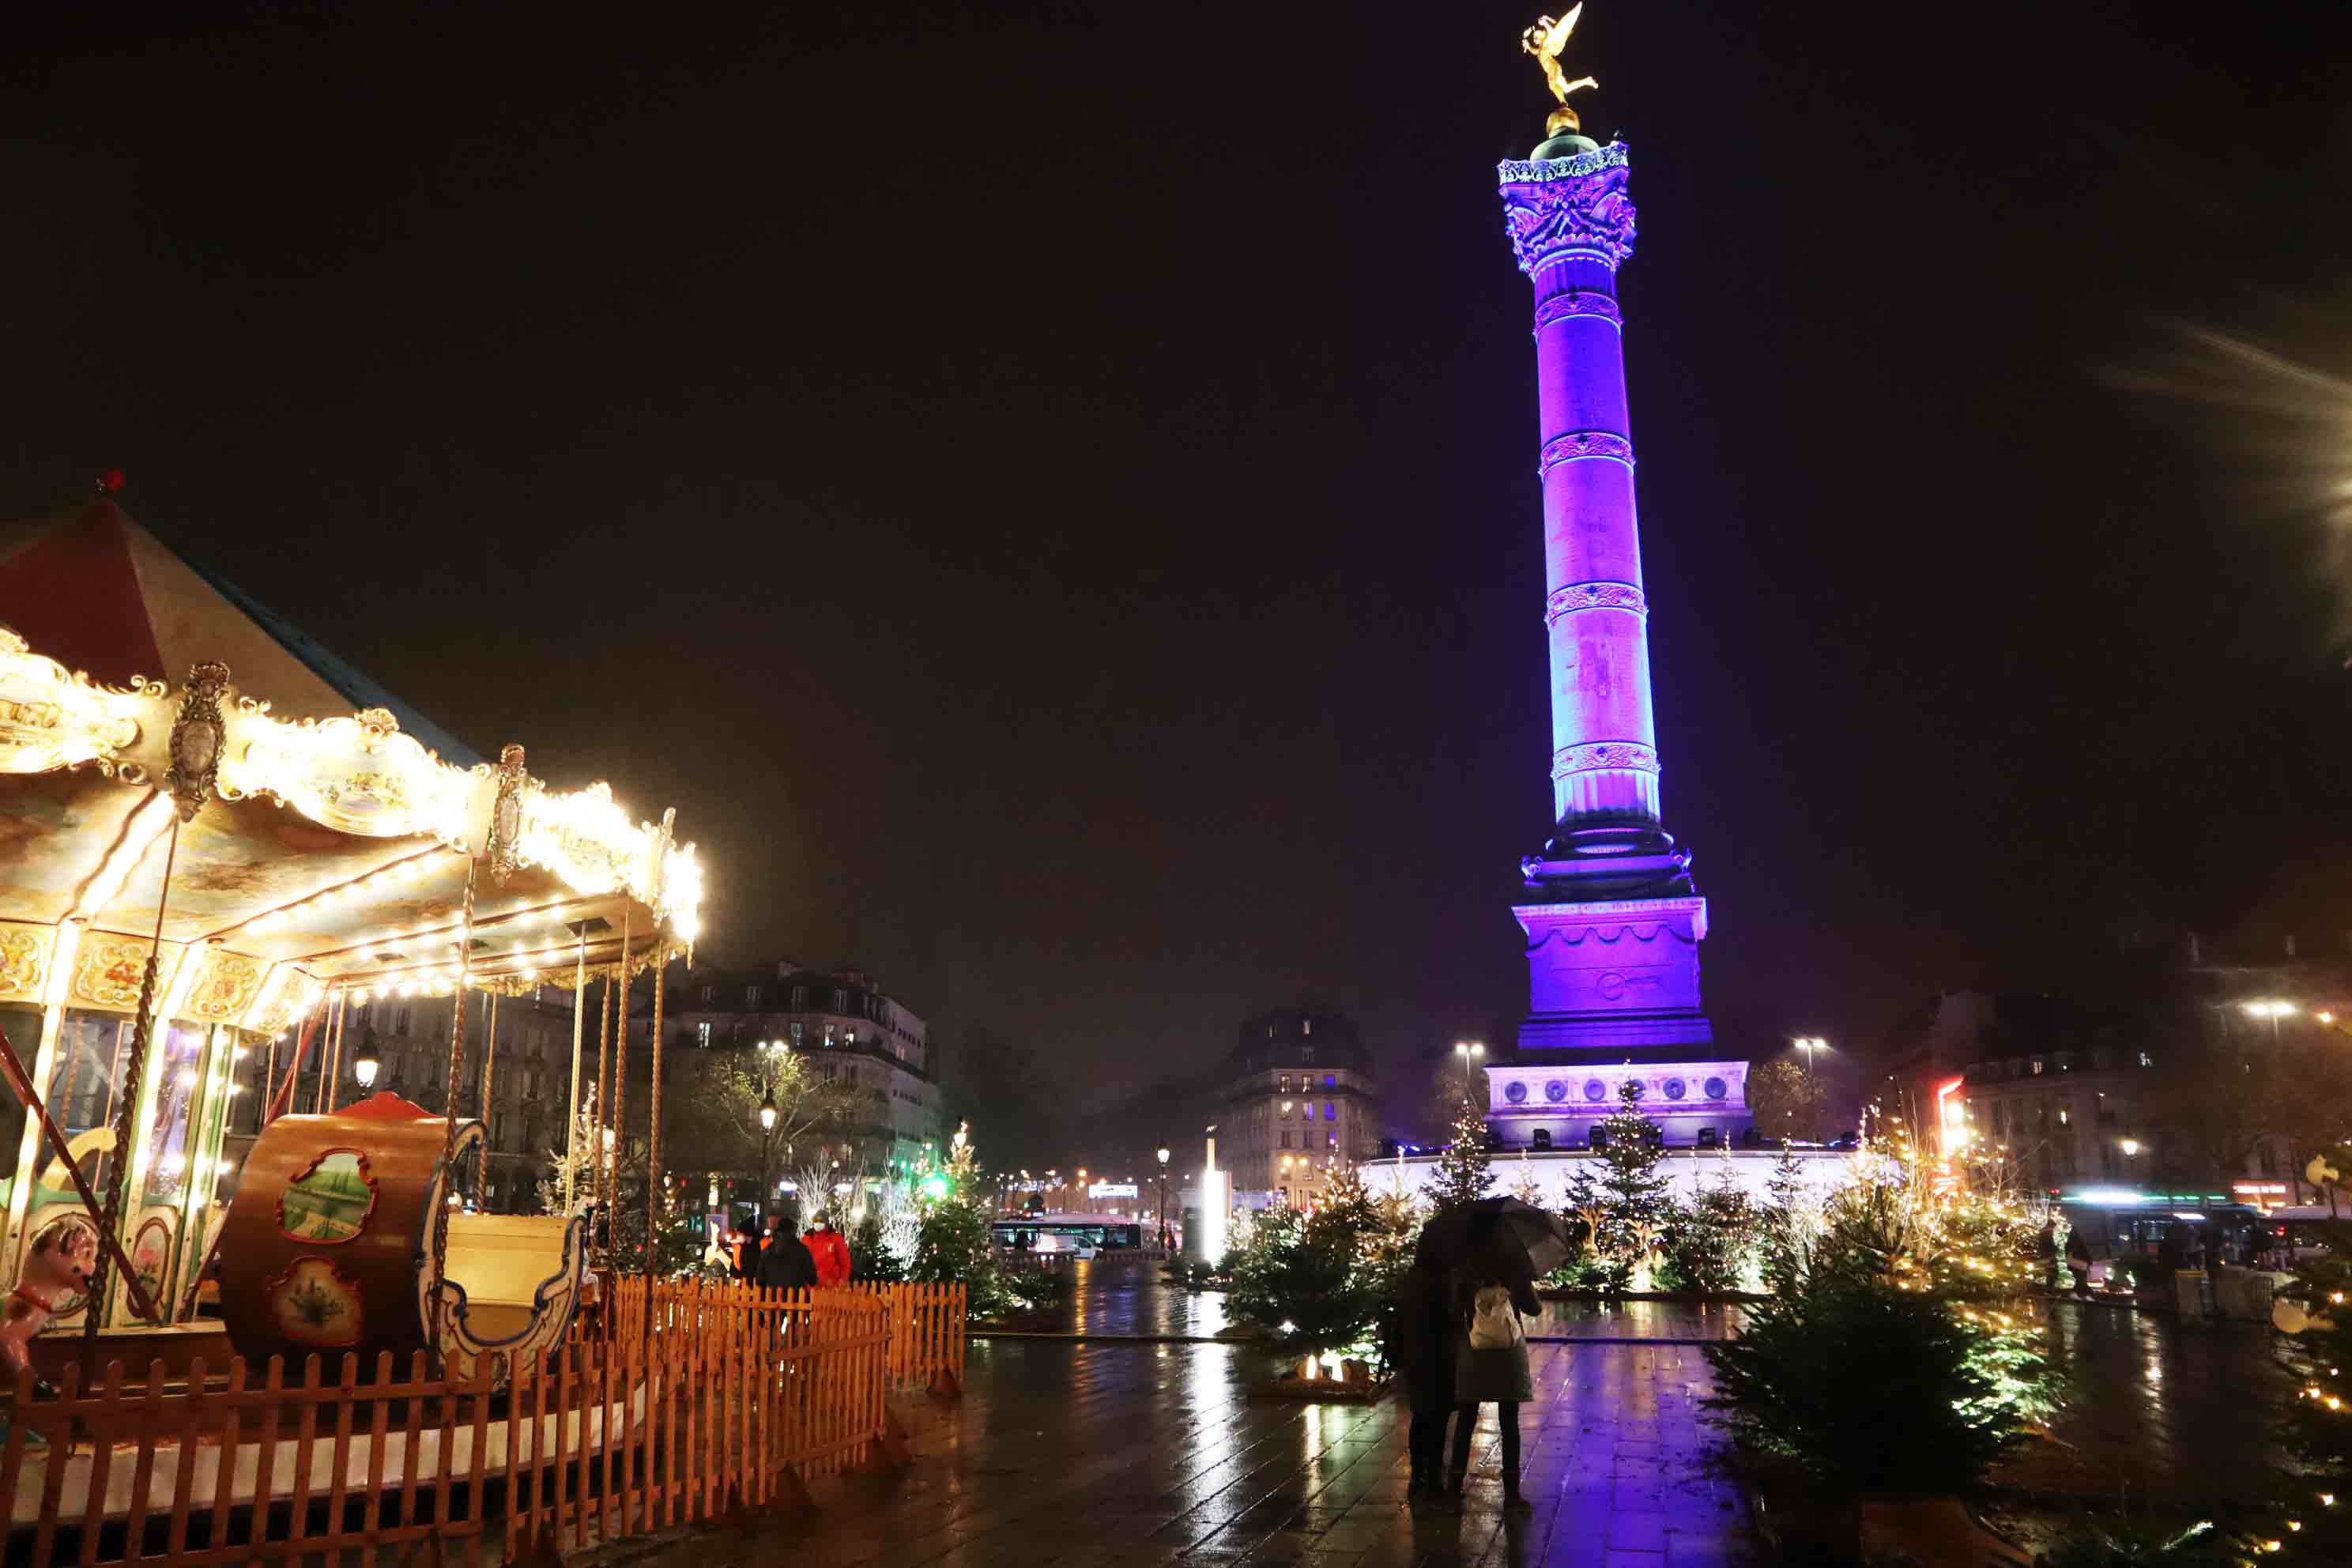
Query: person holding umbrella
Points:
[1494, 1250]
[1421, 1347]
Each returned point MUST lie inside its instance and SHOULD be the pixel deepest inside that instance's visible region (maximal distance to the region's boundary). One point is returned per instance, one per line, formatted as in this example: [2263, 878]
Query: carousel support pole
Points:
[620, 1089]
[653, 1137]
[282, 1099]
[571, 1117]
[482, 1105]
[599, 1136]
[126, 1100]
[449, 1133]
[331, 1050]
[268, 1084]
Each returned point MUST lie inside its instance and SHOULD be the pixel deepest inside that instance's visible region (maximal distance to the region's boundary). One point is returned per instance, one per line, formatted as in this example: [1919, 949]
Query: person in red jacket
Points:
[831, 1251]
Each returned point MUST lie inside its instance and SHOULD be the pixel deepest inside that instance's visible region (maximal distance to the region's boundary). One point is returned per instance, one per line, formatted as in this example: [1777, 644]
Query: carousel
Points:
[205, 881]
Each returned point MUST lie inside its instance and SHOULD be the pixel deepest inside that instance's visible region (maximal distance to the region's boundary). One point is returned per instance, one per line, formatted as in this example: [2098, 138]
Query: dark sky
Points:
[1049, 492]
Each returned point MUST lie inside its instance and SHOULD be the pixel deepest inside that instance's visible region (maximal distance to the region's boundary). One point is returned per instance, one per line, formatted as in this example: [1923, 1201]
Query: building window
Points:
[1307, 1053]
[752, 997]
[2038, 1065]
[1285, 1108]
[1331, 1111]
[1285, 1140]
[1305, 1026]
[1286, 1083]
[1331, 1081]
[2146, 1060]
[702, 1034]
[710, 995]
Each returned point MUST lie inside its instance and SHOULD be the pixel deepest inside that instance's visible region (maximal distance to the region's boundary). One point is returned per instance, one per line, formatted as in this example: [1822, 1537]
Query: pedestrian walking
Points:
[785, 1263]
[1492, 1291]
[830, 1252]
[1421, 1347]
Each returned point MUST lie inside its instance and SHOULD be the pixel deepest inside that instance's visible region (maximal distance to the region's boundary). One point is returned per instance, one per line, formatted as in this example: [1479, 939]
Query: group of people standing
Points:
[1458, 1341]
[781, 1261]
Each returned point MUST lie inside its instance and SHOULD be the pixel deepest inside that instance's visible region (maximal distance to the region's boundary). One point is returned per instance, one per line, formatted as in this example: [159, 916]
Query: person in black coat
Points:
[1421, 1347]
[785, 1262]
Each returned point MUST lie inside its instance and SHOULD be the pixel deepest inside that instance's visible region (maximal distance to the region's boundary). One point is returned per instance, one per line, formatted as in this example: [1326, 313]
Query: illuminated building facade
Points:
[1613, 922]
[1298, 1098]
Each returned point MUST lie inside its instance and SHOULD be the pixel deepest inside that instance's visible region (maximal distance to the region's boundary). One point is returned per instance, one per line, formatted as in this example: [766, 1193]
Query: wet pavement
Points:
[2158, 1411]
[1089, 1455]
[1097, 1454]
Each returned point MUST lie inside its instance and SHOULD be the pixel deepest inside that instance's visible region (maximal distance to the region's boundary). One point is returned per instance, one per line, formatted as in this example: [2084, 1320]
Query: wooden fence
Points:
[732, 1402]
[927, 1324]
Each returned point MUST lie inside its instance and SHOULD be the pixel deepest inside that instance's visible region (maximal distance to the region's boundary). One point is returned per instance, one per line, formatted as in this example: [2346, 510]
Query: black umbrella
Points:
[1519, 1231]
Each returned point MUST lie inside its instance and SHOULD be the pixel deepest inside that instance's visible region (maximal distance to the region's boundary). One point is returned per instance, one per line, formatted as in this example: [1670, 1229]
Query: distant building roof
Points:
[1296, 1038]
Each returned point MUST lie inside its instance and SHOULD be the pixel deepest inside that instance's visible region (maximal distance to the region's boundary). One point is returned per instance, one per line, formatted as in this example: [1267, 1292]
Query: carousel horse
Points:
[59, 1265]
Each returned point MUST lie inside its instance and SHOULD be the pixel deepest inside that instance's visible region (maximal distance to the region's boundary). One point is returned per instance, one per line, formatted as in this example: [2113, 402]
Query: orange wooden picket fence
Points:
[734, 1400]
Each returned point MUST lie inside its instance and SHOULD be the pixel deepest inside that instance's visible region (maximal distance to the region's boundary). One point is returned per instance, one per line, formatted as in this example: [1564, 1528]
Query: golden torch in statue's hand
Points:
[1545, 41]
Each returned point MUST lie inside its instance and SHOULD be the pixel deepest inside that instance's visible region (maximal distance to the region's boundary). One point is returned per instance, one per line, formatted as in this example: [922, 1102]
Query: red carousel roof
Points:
[96, 591]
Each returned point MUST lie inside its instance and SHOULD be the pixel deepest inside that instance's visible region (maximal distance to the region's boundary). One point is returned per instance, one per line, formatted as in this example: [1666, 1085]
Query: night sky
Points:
[1049, 492]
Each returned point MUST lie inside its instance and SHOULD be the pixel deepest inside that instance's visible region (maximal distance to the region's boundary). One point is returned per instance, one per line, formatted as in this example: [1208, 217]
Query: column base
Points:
[1614, 980]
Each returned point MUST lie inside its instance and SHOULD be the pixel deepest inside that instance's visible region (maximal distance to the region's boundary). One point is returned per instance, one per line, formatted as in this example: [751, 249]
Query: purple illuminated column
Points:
[1571, 224]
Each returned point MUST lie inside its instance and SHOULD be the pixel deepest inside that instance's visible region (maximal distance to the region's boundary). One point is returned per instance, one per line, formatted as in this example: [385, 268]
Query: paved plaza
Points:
[1120, 1448]
[1084, 1455]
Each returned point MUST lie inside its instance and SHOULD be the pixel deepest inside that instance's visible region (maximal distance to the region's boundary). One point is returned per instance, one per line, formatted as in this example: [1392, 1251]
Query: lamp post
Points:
[1468, 1051]
[1163, 1199]
[1809, 1044]
[767, 1147]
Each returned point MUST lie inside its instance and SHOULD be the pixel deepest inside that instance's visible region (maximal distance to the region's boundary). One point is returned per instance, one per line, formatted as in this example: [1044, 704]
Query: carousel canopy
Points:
[314, 845]
[96, 592]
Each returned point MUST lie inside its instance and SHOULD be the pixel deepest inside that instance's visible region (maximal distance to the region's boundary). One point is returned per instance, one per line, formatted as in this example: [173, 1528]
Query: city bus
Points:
[1083, 1234]
[2127, 1227]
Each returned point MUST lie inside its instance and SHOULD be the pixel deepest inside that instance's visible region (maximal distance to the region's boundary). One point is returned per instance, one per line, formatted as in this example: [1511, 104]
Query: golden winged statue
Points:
[1545, 41]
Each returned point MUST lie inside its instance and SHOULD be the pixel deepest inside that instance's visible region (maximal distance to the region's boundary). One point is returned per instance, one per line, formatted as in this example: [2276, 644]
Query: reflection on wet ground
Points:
[1089, 1455]
[1126, 1295]
[2159, 1411]
[1070, 1454]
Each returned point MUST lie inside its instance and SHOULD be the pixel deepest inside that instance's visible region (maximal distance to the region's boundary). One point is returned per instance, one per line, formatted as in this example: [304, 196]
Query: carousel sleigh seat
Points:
[329, 1248]
[512, 1282]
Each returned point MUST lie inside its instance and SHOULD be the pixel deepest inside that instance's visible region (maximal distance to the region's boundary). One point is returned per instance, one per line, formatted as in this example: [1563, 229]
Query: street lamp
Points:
[1163, 1199]
[1468, 1051]
[366, 1062]
[767, 1148]
[2130, 1146]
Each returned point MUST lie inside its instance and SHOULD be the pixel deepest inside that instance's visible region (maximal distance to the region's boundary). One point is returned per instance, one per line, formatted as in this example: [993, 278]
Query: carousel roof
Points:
[97, 592]
[307, 844]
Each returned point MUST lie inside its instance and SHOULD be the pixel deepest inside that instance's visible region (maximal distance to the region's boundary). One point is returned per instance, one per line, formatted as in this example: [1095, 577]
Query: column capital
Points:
[1594, 755]
[1562, 209]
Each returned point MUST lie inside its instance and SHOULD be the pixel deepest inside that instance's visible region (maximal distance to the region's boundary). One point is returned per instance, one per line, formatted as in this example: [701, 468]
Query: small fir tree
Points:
[2316, 1349]
[1712, 1247]
[1788, 1223]
[1524, 1185]
[1635, 1205]
[1465, 1170]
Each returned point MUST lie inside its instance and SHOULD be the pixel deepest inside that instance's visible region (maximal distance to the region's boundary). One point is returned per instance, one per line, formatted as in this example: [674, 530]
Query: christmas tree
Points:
[1465, 1171]
[1788, 1224]
[1632, 1201]
[2316, 1506]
